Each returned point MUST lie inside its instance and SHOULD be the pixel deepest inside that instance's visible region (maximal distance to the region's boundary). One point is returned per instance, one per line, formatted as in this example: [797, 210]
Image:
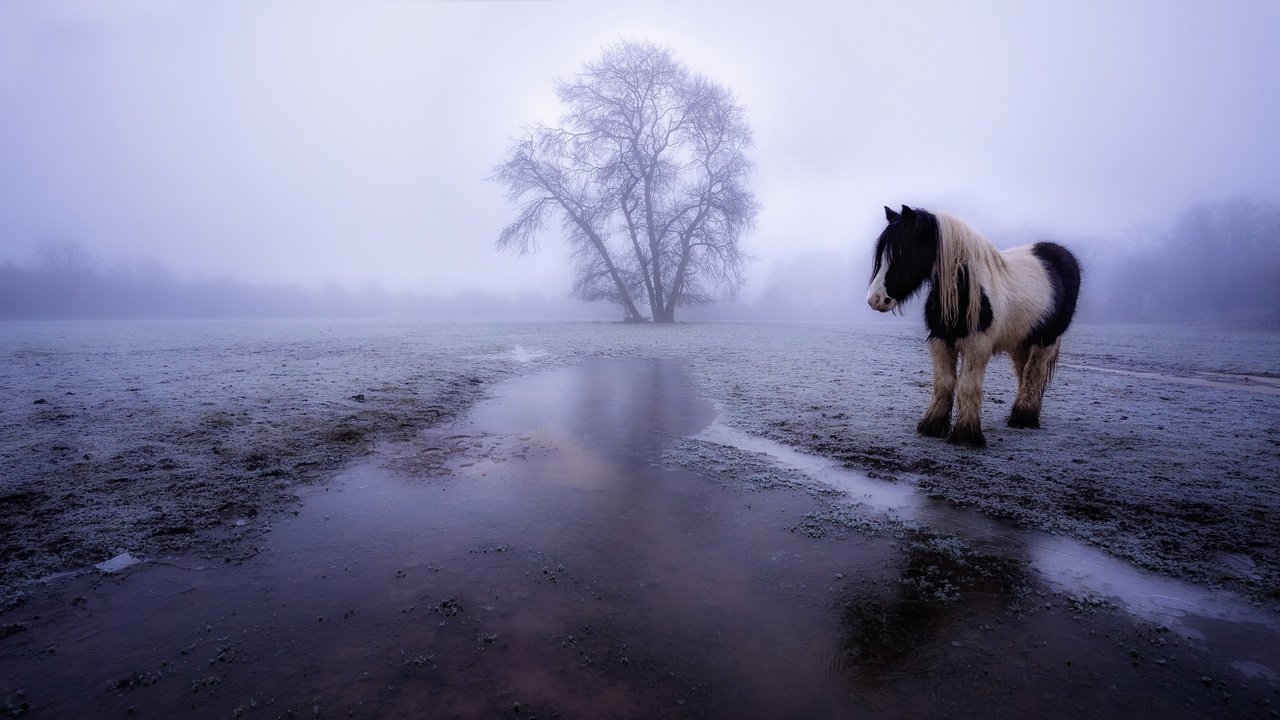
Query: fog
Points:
[262, 159]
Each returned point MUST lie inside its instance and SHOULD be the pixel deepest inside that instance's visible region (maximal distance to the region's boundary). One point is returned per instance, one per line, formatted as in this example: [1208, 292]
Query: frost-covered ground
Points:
[1160, 445]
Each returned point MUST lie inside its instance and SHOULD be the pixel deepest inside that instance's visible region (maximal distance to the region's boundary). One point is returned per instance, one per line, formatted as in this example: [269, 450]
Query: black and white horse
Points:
[981, 301]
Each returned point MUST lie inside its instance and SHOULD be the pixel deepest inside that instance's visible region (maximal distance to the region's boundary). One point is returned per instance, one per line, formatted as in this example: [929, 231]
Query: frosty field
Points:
[658, 472]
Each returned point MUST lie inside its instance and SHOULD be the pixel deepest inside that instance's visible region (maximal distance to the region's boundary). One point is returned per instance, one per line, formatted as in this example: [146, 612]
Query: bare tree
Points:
[647, 174]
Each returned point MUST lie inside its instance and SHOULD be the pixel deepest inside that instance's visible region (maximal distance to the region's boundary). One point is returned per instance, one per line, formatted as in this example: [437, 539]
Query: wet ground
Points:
[1160, 447]
[590, 541]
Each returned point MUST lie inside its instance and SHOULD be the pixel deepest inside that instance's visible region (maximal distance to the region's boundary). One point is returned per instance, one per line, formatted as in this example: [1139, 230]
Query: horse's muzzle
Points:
[881, 302]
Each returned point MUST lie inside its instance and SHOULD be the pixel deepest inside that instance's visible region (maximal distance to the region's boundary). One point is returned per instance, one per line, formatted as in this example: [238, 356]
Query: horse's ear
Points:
[890, 215]
[908, 213]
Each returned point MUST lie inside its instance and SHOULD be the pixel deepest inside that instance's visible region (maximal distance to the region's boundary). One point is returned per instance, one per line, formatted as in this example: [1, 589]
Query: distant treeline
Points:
[56, 291]
[1217, 262]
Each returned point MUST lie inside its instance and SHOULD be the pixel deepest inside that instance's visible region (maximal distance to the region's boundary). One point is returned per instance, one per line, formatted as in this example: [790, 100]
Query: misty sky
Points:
[349, 142]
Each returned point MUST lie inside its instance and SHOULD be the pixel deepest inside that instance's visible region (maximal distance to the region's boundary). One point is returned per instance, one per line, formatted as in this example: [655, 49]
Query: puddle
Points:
[539, 558]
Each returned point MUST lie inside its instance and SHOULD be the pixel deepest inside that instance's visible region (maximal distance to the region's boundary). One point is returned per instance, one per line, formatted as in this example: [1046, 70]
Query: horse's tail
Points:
[1051, 361]
[1063, 271]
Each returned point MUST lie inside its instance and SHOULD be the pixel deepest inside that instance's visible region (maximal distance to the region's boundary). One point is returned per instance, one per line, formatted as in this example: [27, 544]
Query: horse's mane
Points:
[961, 246]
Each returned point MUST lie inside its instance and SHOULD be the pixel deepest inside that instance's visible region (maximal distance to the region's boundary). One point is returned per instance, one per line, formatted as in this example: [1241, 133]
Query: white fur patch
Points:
[877, 297]
[1016, 284]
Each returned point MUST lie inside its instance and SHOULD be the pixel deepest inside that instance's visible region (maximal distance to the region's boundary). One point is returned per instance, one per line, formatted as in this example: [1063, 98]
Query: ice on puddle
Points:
[118, 563]
[1255, 670]
[522, 355]
[518, 354]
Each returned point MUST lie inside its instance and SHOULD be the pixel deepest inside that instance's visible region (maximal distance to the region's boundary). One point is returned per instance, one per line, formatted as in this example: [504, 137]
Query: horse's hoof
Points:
[1021, 418]
[967, 436]
[934, 427]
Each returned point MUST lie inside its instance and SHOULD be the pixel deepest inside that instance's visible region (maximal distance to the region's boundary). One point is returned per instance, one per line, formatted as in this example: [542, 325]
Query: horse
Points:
[981, 301]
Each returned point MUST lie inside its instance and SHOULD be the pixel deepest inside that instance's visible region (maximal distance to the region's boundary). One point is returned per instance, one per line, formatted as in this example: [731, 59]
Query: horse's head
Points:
[905, 254]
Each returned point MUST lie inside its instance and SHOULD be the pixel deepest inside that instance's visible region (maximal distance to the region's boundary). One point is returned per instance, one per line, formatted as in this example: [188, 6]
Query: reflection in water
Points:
[624, 408]
[883, 624]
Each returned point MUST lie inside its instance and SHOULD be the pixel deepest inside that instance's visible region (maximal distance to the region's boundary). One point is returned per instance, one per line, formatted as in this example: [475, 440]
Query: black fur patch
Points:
[1064, 274]
[951, 332]
[912, 244]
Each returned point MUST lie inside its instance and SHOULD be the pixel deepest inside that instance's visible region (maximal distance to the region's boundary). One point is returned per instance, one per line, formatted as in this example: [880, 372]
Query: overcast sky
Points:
[316, 142]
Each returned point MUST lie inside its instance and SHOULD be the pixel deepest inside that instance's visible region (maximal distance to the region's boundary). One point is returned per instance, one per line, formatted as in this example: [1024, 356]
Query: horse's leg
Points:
[1017, 415]
[1019, 357]
[1035, 378]
[937, 420]
[973, 368]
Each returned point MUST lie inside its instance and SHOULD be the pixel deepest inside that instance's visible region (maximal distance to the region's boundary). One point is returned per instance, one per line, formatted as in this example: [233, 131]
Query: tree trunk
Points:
[629, 311]
[655, 252]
